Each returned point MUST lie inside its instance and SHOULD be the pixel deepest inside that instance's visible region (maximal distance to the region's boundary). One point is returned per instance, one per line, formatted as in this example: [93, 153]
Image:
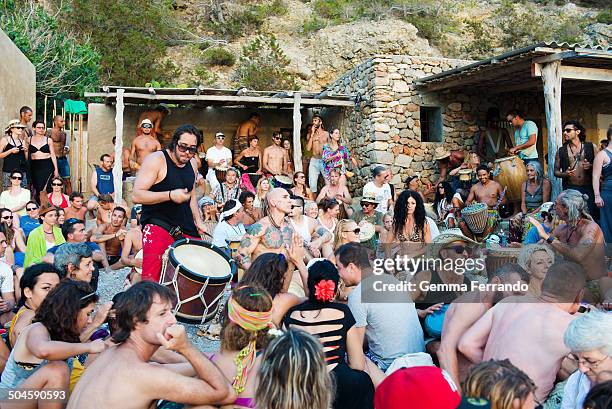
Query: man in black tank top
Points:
[165, 188]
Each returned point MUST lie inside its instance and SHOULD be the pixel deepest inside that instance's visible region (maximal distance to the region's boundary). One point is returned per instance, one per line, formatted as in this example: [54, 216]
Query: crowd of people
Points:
[305, 324]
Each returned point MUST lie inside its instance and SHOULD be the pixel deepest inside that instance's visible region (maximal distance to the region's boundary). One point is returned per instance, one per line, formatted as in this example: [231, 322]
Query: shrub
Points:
[66, 64]
[245, 19]
[481, 45]
[218, 56]
[204, 77]
[262, 66]
[604, 17]
[312, 24]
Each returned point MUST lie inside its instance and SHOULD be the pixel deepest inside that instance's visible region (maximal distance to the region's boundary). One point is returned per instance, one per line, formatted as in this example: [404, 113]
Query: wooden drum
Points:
[198, 273]
[497, 256]
[510, 172]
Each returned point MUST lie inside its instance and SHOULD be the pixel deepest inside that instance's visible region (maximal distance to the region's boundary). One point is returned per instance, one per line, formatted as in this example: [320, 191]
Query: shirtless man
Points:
[155, 117]
[126, 370]
[578, 238]
[58, 136]
[465, 311]
[275, 157]
[105, 209]
[110, 236]
[25, 117]
[143, 144]
[76, 210]
[317, 137]
[335, 190]
[486, 190]
[271, 234]
[125, 159]
[132, 244]
[317, 239]
[251, 214]
[529, 330]
[245, 130]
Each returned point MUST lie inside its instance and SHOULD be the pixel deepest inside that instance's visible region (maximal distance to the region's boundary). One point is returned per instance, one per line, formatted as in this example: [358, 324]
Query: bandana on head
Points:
[232, 211]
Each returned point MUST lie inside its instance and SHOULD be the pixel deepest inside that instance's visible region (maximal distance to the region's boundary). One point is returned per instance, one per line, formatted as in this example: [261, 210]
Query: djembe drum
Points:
[477, 221]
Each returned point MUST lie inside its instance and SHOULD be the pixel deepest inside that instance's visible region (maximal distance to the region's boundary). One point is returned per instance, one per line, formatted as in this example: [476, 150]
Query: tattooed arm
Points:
[248, 244]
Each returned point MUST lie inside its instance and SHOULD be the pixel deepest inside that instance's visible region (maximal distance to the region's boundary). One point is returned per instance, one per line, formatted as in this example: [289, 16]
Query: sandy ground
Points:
[112, 283]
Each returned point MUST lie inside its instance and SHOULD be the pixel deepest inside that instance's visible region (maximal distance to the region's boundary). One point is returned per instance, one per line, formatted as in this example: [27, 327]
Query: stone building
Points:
[406, 106]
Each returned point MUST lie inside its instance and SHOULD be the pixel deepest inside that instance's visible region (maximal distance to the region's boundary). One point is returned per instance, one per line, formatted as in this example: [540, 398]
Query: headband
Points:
[230, 212]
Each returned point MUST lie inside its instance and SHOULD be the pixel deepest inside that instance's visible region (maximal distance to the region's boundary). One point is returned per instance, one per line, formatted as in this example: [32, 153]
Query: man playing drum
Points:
[486, 190]
[165, 186]
[275, 157]
[217, 157]
[272, 234]
[525, 136]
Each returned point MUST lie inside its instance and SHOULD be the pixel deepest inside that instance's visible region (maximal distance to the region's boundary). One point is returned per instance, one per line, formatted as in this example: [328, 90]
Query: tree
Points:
[66, 64]
[262, 66]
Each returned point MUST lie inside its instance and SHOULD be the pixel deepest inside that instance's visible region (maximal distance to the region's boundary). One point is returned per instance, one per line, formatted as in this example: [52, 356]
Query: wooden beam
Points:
[225, 99]
[571, 72]
[297, 128]
[117, 168]
[551, 76]
[555, 57]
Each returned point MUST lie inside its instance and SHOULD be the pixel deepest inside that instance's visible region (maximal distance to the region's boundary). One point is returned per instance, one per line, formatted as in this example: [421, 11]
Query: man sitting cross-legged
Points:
[144, 322]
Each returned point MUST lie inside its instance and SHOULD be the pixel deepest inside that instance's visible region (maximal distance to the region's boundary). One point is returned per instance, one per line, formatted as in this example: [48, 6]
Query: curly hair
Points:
[234, 337]
[134, 304]
[319, 271]
[400, 213]
[60, 309]
[268, 271]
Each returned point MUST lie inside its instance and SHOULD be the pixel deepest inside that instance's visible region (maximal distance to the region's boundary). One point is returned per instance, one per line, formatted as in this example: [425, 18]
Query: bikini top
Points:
[44, 148]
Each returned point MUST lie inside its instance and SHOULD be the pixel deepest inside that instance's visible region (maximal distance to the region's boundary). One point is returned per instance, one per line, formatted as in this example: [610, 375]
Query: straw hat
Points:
[370, 198]
[14, 123]
[447, 237]
[441, 153]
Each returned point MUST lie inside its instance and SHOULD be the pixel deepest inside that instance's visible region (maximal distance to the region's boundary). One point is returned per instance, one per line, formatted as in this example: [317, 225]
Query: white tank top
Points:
[302, 230]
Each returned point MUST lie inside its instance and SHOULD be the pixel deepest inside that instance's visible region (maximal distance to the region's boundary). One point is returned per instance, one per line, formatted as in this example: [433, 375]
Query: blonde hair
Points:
[341, 228]
[259, 190]
[524, 258]
[500, 382]
[293, 374]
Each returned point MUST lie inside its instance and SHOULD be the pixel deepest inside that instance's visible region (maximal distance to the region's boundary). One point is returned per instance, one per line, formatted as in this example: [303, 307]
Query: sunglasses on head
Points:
[185, 148]
[29, 209]
[16, 178]
[146, 126]
[356, 230]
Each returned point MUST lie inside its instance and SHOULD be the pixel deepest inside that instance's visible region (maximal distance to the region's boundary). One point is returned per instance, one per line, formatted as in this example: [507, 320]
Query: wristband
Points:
[169, 197]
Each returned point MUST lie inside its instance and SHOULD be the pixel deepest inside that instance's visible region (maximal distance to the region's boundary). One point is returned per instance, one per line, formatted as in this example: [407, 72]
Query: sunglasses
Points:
[364, 204]
[29, 209]
[6, 217]
[459, 249]
[16, 178]
[185, 148]
[276, 138]
[568, 130]
[294, 206]
[56, 184]
[220, 137]
[146, 126]
[356, 231]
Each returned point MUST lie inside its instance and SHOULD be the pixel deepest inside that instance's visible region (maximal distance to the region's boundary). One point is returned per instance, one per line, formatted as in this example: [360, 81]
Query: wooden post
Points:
[297, 127]
[117, 170]
[45, 112]
[55, 108]
[551, 77]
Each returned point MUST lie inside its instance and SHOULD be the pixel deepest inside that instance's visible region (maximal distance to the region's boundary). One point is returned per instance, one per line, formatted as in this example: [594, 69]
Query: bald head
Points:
[58, 121]
[279, 199]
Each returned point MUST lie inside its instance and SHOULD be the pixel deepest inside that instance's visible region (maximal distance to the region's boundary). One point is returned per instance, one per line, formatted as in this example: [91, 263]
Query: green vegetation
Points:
[604, 17]
[66, 64]
[218, 56]
[239, 20]
[313, 24]
[263, 66]
[131, 36]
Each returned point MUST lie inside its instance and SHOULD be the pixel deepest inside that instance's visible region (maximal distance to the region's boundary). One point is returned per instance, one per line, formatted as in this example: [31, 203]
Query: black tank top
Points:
[169, 211]
[14, 160]
[251, 162]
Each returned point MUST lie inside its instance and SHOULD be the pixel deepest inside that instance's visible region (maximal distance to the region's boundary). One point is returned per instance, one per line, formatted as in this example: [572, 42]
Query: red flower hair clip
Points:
[325, 290]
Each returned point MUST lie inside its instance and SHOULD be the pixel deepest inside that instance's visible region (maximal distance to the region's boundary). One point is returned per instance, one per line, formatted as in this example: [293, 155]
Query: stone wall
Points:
[385, 126]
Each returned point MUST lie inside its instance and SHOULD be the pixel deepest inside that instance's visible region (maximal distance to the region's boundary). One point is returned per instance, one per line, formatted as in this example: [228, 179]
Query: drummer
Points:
[217, 157]
[230, 189]
[275, 157]
[165, 186]
[486, 190]
[368, 213]
[335, 190]
[525, 136]
[230, 227]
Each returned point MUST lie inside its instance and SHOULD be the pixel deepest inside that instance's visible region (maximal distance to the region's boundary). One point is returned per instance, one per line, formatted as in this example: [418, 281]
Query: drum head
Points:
[138, 257]
[201, 260]
[505, 159]
[367, 230]
[285, 180]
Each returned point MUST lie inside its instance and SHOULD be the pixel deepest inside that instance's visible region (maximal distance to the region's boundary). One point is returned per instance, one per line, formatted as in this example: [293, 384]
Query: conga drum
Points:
[498, 256]
[197, 272]
[220, 174]
[510, 172]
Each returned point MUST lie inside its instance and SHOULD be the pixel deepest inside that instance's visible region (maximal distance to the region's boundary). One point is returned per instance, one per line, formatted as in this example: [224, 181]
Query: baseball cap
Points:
[146, 121]
[219, 134]
[425, 387]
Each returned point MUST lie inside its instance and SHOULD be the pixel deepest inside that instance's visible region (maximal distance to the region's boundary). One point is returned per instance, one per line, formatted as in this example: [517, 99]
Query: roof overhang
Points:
[221, 97]
[585, 71]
